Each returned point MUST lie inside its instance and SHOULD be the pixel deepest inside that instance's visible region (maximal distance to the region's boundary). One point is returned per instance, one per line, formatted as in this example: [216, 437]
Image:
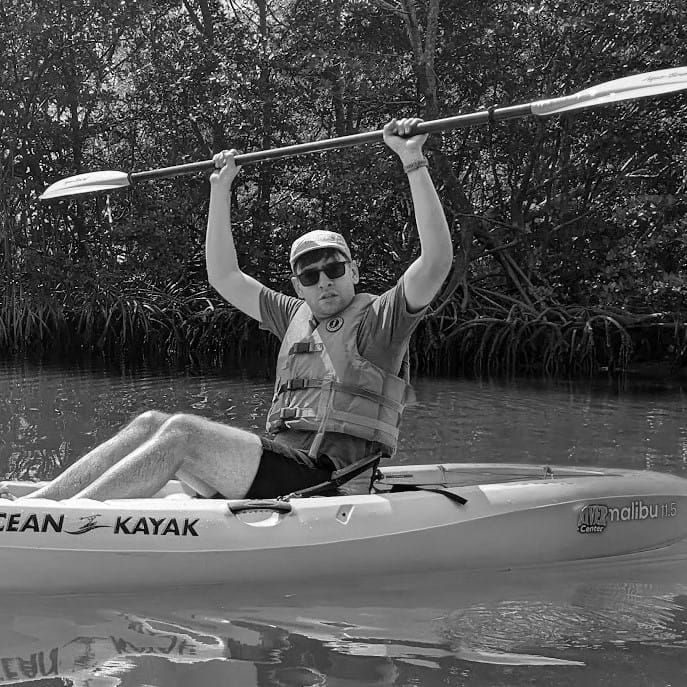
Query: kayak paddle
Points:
[627, 88]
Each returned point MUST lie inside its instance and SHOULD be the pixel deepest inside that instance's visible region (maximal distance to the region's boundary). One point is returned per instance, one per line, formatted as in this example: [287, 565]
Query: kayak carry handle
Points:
[243, 505]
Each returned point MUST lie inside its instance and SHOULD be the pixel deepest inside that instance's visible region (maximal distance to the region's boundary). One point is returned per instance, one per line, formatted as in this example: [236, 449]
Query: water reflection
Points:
[478, 631]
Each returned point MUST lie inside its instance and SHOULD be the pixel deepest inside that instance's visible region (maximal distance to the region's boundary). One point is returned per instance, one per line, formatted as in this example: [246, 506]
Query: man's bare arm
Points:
[425, 276]
[224, 273]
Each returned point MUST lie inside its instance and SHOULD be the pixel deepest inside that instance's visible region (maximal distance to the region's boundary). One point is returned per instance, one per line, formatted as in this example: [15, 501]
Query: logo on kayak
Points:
[34, 522]
[31, 522]
[161, 526]
[595, 517]
[88, 523]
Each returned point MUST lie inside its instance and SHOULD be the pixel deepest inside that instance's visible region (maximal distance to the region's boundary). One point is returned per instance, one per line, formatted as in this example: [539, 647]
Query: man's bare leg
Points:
[100, 459]
[223, 457]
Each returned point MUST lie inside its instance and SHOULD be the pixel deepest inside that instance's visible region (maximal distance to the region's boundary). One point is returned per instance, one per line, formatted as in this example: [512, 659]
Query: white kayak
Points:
[513, 516]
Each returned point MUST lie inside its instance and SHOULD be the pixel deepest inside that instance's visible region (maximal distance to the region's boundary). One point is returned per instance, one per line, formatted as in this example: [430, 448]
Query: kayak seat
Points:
[340, 477]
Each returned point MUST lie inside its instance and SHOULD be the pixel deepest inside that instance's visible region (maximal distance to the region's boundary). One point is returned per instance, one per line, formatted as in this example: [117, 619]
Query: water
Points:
[584, 624]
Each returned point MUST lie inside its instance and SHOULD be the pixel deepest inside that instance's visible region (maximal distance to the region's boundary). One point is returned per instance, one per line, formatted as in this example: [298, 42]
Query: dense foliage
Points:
[570, 233]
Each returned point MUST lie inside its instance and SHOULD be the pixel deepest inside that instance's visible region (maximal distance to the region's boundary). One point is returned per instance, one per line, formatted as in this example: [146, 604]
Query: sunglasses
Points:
[333, 270]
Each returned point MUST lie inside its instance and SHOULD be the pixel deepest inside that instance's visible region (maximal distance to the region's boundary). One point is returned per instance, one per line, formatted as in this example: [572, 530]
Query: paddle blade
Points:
[627, 88]
[86, 183]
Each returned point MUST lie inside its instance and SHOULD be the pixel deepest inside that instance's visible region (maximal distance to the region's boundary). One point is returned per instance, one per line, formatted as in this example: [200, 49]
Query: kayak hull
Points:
[516, 518]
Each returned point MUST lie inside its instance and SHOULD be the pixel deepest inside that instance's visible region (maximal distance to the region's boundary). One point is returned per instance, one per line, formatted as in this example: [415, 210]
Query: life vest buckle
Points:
[306, 347]
[289, 414]
[294, 384]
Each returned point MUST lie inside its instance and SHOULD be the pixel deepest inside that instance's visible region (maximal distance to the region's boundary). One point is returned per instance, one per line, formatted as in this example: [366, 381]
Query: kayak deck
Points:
[514, 516]
[447, 475]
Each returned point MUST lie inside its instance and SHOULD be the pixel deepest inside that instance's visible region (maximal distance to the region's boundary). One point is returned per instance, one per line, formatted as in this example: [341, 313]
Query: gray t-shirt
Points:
[382, 339]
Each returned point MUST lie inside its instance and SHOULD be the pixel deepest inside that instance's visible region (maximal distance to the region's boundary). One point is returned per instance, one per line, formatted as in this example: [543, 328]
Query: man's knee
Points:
[184, 427]
[151, 420]
[197, 435]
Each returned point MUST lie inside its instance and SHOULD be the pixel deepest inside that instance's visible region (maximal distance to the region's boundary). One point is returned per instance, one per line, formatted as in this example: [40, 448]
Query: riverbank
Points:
[159, 329]
[571, 342]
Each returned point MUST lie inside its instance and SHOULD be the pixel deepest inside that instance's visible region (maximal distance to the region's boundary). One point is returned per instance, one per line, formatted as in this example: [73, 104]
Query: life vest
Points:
[323, 384]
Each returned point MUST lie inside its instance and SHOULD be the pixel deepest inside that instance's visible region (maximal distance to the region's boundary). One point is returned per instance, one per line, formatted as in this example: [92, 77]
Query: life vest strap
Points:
[370, 396]
[299, 383]
[370, 423]
[296, 413]
[287, 415]
[306, 347]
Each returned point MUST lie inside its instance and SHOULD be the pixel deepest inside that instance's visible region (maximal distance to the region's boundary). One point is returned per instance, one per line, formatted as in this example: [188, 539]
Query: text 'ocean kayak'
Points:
[513, 516]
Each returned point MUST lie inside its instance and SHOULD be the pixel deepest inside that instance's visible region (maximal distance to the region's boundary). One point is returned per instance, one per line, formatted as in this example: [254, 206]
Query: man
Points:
[340, 390]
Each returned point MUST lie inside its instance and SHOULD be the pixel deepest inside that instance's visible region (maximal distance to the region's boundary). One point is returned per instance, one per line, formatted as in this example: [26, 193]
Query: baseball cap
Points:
[314, 240]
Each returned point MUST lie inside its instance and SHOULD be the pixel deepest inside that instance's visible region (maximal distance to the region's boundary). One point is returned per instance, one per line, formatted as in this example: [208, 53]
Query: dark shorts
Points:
[283, 470]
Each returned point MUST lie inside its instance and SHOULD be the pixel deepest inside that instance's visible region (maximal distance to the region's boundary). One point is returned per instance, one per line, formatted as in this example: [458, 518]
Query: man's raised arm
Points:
[224, 273]
[423, 279]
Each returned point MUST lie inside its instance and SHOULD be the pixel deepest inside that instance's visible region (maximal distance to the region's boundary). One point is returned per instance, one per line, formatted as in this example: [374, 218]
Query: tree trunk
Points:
[459, 210]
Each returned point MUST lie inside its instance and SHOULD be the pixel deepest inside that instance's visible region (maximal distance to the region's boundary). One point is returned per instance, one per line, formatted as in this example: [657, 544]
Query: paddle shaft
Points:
[432, 126]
